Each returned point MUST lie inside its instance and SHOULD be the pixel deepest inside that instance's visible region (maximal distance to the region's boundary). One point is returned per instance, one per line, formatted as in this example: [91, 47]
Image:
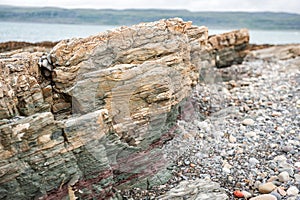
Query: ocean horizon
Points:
[38, 32]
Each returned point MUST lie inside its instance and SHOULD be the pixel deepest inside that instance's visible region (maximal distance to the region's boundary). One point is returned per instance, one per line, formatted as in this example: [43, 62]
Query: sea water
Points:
[37, 32]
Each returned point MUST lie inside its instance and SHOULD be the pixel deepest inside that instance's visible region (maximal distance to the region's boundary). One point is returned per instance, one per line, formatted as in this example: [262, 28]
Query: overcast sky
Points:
[193, 5]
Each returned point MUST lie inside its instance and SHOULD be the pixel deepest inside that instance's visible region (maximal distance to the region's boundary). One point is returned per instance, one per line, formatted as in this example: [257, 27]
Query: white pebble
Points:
[280, 158]
[276, 114]
[45, 63]
[248, 122]
[280, 129]
[250, 134]
[284, 176]
[292, 191]
[246, 194]
[253, 161]
[297, 177]
[273, 146]
[226, 170]
[226, 165]
[297, 164]
[264, 197]
[298, 103]
[232, 139]
[260, 119]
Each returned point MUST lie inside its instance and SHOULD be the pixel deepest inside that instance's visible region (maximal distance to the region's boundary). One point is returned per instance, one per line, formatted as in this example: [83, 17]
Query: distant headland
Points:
[228, 20]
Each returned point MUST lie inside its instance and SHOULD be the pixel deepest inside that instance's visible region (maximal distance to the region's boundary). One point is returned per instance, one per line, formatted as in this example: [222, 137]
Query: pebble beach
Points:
[243, 139]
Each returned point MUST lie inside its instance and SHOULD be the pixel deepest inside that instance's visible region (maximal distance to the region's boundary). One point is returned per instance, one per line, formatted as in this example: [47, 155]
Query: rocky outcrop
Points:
[224, 49]
[23, 90]
[279, 52]
[132, 79]
[13, 45]
[93, 113]
[229, 48]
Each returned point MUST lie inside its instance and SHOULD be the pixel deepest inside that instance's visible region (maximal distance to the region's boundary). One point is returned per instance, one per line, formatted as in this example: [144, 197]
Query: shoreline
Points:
[15, 45]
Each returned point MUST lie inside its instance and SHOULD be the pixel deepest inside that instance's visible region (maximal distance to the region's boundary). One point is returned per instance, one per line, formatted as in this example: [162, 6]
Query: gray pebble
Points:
[253, 161]
[277, 195]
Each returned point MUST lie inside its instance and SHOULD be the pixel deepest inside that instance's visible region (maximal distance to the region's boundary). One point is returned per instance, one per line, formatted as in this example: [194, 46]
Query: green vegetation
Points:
[222, 20]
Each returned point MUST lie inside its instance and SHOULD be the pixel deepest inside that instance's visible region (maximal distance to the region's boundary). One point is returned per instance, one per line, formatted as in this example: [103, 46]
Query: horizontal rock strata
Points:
[13, 45]
[93, 113]
[229, 48]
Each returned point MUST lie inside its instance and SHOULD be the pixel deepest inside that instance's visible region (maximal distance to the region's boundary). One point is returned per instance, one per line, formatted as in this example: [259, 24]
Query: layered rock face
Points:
[93, 113]
[223, 50]
[229, 48]
[22, 90]
[137, 80]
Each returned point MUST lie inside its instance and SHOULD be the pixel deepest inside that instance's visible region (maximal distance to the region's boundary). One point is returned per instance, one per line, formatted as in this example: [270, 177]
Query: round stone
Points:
[276, 114]
[232, 139]
[45, 63]
[253, 161]
[246, 194]
[250, 134]
[297, 177]
[277, 195]
[287, 148]
[226, 170]
[264, 197]
[187, 162]
[280, 129]
[280, 158]
[298, 103]
[284, 176]
[292, 191]
[266, 188]
[248, 122]
[297, 164]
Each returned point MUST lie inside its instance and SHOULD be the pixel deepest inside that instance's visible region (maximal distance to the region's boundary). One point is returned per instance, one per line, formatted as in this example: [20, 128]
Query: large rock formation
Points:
[93, 113]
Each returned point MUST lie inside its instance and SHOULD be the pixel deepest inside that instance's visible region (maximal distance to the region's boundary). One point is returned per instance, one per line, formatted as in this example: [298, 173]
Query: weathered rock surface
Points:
[282, 52]
[92, 114]
[229, 48]
[22, 91]
[223, 50]
[138, 80]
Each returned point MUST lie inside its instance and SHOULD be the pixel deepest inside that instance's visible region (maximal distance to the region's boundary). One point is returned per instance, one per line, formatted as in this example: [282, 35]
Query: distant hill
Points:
[222, 20]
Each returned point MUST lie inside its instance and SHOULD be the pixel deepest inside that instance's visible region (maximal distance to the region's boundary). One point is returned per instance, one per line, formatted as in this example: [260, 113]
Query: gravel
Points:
[246, 133]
